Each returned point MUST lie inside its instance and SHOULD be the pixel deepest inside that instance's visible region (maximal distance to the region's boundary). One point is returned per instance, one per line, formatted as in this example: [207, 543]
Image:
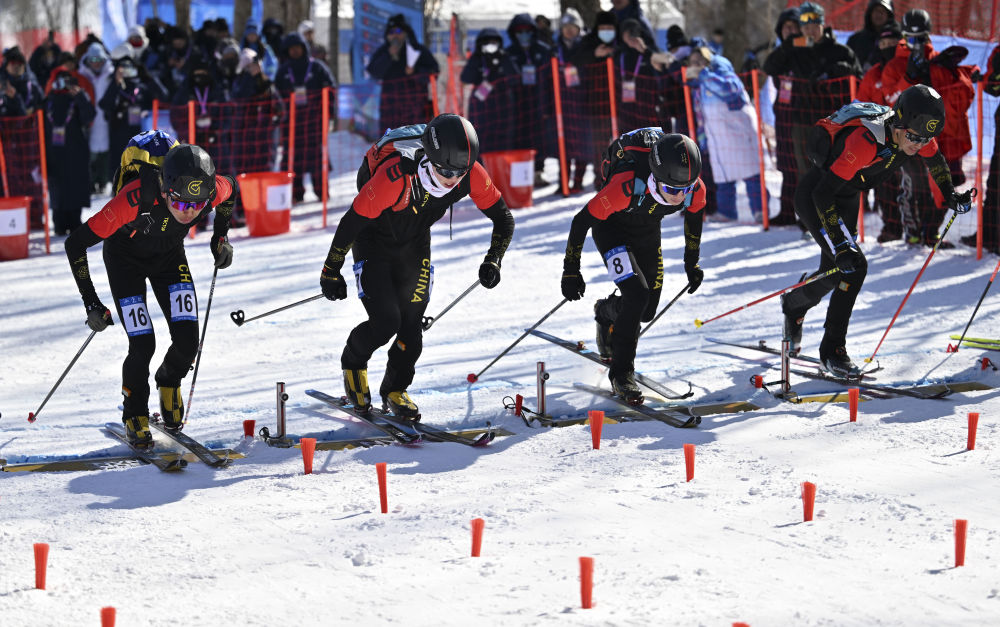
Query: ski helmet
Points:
[916, 22]
[675, 161]
[450, 141]
[189, 174]
[921, 109]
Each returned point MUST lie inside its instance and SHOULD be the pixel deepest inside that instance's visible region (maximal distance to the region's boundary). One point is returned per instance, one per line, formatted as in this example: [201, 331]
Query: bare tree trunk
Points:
[182, 9]
[295, 12]
[588, 11]
[241, 13]
[333, 40]
[76, 22]
[735, 25]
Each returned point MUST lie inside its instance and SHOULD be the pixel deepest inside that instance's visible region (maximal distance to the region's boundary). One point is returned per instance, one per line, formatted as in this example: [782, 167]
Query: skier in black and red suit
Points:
[388, 230]
[143, 231]
[859, 158]
[650, 175]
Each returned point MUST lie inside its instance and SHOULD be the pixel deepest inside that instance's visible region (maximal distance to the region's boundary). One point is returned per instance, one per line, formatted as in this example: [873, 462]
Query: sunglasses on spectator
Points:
[917, 139]
[668, 190]
[182, 205]
[448, 173]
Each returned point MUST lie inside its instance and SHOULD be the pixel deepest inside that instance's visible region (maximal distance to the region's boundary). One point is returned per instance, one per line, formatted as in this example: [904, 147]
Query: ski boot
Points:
[137, 431]
[837, 362]
[401, 405]
[623, 385]
[171, 407]
[604, 340]
[356, 389]
[792, 329]
[605, 312]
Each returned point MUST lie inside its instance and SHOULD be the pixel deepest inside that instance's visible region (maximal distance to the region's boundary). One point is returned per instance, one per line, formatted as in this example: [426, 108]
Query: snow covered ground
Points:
[260, 543]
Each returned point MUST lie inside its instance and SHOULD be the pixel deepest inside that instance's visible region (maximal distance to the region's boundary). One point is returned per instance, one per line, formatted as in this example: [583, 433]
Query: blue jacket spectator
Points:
[265, 54]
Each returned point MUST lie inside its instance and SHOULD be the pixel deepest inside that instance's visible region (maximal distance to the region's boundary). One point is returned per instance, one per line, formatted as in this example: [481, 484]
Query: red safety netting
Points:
[21, 167]
[975, 19]
[586, 113]
[405, 101]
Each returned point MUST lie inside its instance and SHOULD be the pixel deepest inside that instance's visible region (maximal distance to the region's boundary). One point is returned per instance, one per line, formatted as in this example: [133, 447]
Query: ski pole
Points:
[239, 320]
[472, 378]
[664, 310]
[201, 342]
[940, 239]
[974, 311]
[33, 415]
[700, 323]
[427, 321]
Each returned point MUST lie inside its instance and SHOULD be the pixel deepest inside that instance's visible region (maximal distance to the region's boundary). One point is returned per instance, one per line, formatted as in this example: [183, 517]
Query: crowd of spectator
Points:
[95, 99]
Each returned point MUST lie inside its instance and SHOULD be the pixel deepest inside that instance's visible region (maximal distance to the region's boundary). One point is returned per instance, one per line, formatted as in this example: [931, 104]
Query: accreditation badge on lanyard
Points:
[528, 75]
[571, 75]
[482, 91]
[203, 120]
[628, 85]
[300, 90]
[58, 135]
[134, 115]
[785, 91]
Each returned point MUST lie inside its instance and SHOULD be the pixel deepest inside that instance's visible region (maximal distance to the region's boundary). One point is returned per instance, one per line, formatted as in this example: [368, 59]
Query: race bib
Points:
[571, 75]
[58, 135]
[628, 91]
[300, 96]
[203, 122]
[619, 264]
[135, 317]
[528, 75]
[183, 304]
[785, 91]
[358, 267]
[483, 90]
[134, 115]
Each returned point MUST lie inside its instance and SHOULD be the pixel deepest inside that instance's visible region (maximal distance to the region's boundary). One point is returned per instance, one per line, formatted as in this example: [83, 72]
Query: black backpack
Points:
[630, 150]
[403, 141]
[825, 134]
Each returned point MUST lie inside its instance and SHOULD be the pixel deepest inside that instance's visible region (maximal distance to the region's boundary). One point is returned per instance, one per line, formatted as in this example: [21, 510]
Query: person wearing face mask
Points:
[403, 65]
[428, 168]
[651, 175]
[68, 113]
[45, 58]
[143, 231]
[265, 54]
[178, 58]
[596, 46]
[305, 78]
[260, 111]
[917, 63]
[225, 70]
[488, 82]
[126, 101]
[574, 98]
[847, 161]
[17, 75]
[879, 17]
[532, 93]
[96, 66]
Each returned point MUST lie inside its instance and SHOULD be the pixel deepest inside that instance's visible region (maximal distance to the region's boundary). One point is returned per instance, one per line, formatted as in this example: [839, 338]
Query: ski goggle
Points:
[669, 190]
[448, 173]
[918, 139]
[183, 205]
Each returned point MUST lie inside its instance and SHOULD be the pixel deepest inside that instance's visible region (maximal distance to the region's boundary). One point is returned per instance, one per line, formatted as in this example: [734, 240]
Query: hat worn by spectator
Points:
[571, 16]
[891, 30]
[675, 37]
[306, 26]
[14, 55]
[811, 13]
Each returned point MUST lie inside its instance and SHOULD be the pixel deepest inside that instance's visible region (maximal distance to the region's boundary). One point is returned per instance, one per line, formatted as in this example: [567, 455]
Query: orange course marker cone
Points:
[961, 526]
[477, 536]
[808, 500]
[383, 496]
[586, 582]
[973, 425]
[852, 403]
[689, 460]
[41, 564]
[107, 617]
[248, 427]
[308, 448]
[596, 418]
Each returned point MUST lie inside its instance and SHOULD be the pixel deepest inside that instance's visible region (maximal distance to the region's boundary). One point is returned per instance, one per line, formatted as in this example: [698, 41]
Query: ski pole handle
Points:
[239, 319]
[664, 310]
[428, 321]
[33, 415]
[699, 323]
[472, 378]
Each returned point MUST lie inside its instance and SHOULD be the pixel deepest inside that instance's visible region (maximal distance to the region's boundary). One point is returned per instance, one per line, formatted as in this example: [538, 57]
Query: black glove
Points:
[489, 272]
[916, 68]
[695, 276]
[98, 316]
[961, 203]
[222, 250]
[573, 285]
[848, 257]
[332, 283]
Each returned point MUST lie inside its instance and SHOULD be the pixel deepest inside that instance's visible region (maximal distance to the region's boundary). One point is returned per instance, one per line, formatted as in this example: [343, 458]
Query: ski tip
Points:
[698, 323]
[472, 378]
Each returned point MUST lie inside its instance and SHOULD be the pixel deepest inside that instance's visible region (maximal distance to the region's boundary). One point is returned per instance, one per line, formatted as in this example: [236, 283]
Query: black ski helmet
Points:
[916, 22]
[451, 141]
[189, 174]
[921, 109]
[675, 160]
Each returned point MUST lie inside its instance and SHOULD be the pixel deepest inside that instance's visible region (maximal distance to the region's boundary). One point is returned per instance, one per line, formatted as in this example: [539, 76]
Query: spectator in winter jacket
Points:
[878, 16]
[273, 31]
[726, 129]
[630, 10]
[543, 26]
[404, 66]
[225, 69]
[305, 78]
[176, 64]
[68, 113]
[574, 98]
[138, 41]
[488, 81]
[307, 30]
[97, 68]
[67, 63]
[532, 58]
[991, 201]
[261, 109]
[596, 47]
[265, 54]
[16, 73]
[637, 68]
[127, 100]
[787, 30]
[45, 58]
[916, 62]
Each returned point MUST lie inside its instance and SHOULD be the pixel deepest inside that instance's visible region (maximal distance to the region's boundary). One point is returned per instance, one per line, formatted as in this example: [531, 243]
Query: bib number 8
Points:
[619, 264]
